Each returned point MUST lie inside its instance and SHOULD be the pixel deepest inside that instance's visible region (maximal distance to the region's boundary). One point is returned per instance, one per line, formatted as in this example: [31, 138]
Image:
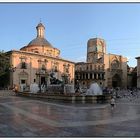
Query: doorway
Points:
[116, 81]
[43, 80]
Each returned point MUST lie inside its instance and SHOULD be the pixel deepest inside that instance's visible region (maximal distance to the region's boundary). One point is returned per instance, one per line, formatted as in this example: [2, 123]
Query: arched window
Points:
[115, 64]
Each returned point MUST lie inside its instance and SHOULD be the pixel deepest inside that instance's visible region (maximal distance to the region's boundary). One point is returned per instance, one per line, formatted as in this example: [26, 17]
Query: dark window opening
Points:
[95, 76]
[23, 81]
[90, 75]
[103, 76]
[23, 65]
[86, 76]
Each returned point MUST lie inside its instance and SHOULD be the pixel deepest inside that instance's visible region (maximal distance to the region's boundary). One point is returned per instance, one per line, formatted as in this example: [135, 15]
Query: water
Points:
[34, 88]
[94, 89]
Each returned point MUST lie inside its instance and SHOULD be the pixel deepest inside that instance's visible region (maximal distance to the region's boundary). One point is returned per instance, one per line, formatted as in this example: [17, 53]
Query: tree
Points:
[4, 70]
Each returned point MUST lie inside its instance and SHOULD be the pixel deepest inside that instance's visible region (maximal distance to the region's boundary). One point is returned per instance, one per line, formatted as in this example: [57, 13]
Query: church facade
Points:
[37, 60]
[108, 70]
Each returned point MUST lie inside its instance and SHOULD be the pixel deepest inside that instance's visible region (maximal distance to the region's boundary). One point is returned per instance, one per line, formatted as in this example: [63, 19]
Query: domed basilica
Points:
[38, 60]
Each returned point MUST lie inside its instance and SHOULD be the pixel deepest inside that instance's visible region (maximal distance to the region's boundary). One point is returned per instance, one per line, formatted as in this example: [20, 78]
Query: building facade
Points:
[108, 70]
[37, 61]
[138, 72]
[131, 77]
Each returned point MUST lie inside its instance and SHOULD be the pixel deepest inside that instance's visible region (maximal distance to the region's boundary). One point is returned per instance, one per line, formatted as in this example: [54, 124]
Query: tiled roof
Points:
[39, 42]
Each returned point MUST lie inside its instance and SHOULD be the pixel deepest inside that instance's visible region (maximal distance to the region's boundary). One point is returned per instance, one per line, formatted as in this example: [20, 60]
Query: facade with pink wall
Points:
[37, 60]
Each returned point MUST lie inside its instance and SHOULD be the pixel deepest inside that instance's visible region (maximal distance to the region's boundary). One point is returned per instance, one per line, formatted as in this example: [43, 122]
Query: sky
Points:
[68, 27]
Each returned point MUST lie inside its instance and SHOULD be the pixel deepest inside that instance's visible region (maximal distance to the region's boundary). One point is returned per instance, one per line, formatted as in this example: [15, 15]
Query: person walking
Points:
[112, 103]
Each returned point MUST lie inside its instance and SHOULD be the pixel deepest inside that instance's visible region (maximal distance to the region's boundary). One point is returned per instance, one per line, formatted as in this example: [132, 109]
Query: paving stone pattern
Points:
[27, 117]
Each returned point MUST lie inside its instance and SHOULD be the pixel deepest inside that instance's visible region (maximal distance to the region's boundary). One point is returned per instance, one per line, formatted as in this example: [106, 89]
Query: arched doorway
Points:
[116, 81]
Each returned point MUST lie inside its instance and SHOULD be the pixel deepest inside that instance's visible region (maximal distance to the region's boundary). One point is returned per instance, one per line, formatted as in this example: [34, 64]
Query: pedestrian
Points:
[112, 103]
[16, 89]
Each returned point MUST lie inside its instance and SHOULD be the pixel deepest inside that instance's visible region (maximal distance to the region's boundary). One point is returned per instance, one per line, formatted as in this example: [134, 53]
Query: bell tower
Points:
[96, 47]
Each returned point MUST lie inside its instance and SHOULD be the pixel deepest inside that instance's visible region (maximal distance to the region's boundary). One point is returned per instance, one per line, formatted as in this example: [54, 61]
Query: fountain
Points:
[59, 90]
[58, 86]
[34, 88]
[94, 89]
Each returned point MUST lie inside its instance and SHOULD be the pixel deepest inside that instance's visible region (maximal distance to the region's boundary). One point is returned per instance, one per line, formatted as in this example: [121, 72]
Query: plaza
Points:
[29, 117]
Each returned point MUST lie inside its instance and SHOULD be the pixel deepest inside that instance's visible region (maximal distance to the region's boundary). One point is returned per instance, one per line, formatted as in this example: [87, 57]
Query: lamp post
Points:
[12, 69]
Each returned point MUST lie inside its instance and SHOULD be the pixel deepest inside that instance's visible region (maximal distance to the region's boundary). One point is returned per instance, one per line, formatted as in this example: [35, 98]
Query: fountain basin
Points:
[69, 97]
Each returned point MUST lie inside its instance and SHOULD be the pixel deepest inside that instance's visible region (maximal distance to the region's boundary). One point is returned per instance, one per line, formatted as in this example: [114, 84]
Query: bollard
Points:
[83, 99]
[73, 99]
[94, 99]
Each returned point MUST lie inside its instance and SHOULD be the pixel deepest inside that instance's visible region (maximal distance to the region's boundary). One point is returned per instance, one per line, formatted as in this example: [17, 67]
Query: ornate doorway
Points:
[116, 81]
[43, 80]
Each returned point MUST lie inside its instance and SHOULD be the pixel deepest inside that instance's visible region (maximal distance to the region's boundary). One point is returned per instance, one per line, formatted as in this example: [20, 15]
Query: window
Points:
[90, 67]
[67, 70]
[103, 76]
[43, 67]
[99, 76]
[115, 64]
[23, 65]
[95, 67]
[86, 76]
[55, 69]
[83, 75]
[23, 62]
[95, 76]
[23, 81]
[90, 75]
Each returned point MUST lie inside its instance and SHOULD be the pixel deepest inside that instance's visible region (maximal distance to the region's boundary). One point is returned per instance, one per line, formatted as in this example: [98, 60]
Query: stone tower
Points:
[96, 47]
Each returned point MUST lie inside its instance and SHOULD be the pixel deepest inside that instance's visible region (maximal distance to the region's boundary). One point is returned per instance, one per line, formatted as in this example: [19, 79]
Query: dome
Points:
[39, 42]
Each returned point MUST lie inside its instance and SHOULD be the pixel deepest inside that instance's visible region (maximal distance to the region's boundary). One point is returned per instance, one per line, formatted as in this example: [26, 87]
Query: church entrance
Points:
[43, 80]
[116, 81]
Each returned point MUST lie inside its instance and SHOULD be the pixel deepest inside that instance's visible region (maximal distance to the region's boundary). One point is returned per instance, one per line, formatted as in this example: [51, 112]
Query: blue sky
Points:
[70, 25]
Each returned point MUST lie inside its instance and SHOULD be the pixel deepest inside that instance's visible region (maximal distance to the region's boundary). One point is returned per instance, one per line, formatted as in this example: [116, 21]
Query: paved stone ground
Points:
[26, 117]
[6, 93]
